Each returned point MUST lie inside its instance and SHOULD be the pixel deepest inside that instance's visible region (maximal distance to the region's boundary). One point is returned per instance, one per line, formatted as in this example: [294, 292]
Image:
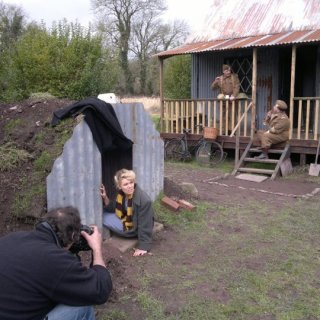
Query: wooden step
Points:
[255, 170]
[261, 160]
[276, 151]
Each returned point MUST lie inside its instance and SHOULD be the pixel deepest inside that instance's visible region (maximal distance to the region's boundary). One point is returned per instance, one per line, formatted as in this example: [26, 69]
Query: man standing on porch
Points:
[279, 125]
[228, 83]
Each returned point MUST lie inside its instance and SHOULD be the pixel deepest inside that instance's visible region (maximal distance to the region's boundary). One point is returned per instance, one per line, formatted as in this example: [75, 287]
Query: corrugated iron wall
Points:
[205, 67]
[148, 150]
[267, 83]
[77, 174]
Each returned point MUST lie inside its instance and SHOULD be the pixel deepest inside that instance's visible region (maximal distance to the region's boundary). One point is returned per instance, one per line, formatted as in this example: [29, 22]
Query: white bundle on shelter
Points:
[109, 97]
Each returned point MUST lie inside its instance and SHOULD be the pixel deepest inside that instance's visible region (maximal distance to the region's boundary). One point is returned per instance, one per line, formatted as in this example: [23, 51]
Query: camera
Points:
[82, 244]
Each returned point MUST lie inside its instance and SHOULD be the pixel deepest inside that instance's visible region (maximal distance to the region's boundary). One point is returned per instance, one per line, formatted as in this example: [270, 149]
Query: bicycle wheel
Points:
[209, 154]
[174, 150]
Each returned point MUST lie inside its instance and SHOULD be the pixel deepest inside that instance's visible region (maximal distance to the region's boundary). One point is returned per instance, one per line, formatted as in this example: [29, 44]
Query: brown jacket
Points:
[228, 85]
[279, 125]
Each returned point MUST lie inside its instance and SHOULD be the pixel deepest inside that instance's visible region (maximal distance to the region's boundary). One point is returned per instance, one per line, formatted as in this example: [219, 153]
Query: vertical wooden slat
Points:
[245, 122]
[254, 90]
[161, 94]
[192, 116]
[204, 113]
[239, 114]
[198, 116]
[166, 115]
[299, 119]
[221, 117]
[233, 117]
[215, 114]
[171, 116]
[177, 116]
[227, 117]
[307, 125]
[293, 75]
[209, 113]
[316, 119]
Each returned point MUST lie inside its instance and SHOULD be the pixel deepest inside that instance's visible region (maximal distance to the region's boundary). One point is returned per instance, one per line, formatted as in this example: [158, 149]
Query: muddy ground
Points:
[213, 185]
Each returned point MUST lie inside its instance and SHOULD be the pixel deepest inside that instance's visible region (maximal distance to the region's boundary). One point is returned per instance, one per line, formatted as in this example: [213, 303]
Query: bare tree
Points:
[150, 36]
[171, 35]
[117, 17]
[11, 24]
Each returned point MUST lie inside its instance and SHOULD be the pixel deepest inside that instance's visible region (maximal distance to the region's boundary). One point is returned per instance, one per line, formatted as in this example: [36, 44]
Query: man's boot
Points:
[263, 154]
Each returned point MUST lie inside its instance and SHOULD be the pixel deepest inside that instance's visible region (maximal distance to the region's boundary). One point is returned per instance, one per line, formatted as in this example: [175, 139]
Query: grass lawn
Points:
[245, 260]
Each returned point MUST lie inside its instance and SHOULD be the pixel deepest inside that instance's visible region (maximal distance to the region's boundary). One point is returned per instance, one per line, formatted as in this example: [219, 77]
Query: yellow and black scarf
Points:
[124, 212]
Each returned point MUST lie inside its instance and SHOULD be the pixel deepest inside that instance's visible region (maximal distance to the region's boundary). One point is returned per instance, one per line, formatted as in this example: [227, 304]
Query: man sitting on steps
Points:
[279, 125]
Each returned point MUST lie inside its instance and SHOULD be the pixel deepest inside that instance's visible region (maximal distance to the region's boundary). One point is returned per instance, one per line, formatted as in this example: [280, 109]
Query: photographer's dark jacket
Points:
[142, 218]
[36, 274]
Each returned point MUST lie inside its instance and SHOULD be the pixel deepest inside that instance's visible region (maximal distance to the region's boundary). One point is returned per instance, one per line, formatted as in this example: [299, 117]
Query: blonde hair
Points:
[124, 174]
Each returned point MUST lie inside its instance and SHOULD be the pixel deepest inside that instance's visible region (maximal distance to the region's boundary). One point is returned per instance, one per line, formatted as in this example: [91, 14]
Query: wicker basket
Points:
[210, 133]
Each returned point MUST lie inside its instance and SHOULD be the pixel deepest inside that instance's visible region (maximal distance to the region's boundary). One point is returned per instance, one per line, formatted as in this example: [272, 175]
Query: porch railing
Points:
[192, 114]
[224, 115]
[304, 118]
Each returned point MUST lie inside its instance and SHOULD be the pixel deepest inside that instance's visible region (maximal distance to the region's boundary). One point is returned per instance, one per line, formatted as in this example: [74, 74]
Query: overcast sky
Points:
[53, 10]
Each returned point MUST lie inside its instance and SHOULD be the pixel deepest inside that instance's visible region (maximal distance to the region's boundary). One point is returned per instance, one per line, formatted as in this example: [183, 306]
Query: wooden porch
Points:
[194, 113]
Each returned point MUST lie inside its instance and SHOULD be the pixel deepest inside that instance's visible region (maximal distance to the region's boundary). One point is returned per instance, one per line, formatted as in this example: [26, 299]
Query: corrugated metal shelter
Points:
[273, 45]
[77, 174]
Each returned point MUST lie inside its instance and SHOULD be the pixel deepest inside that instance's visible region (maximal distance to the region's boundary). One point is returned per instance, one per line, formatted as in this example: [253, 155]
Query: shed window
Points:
[243, 67]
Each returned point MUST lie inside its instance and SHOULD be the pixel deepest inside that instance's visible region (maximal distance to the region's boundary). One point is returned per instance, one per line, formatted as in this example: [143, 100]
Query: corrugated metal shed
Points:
[235, 24]
[77, 174]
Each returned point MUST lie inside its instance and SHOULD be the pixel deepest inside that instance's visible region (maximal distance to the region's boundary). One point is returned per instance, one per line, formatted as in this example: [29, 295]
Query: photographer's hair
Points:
[124, 174]
[66, 223]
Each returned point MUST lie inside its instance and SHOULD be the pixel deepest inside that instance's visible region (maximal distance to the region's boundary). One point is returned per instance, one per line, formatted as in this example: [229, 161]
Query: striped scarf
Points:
[124, 212]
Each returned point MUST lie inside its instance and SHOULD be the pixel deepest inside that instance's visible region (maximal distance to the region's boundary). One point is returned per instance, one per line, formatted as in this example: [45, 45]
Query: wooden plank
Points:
[284, 156]
[254, 90]
[255, 170]
[316, 119]
[220, 118]
[292, 82]
[299, 119]
[192, 117]
[307, 120]
[162, 112]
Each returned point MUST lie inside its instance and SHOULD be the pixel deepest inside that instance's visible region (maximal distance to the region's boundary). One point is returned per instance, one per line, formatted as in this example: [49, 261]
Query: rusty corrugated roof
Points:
[246, 42]
[233, 24]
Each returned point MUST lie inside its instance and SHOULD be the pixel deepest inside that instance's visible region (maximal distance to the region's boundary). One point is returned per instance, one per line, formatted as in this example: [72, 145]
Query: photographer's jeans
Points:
[64, 312]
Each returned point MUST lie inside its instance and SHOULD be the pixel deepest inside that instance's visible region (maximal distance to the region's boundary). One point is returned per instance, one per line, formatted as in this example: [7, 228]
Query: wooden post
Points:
[254, 90]
[236, 158]
[161, 94]
[293, 76]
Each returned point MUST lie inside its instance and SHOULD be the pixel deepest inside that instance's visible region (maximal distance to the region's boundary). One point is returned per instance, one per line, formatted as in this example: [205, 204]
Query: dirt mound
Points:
[29, 145]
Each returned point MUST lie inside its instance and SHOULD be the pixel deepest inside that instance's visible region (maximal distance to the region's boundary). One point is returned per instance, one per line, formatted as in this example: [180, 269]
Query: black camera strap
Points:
[48, 226]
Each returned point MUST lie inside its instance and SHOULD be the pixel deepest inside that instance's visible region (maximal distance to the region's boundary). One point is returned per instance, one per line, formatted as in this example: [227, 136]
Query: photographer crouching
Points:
[41, 278]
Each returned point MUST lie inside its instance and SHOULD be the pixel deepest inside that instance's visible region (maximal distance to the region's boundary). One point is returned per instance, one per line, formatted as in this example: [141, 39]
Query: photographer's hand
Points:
[95, 242]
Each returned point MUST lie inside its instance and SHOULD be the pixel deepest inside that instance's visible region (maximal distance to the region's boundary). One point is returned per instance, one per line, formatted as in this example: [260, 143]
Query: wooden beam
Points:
[254, 90]
[293, 77]
[161, 94]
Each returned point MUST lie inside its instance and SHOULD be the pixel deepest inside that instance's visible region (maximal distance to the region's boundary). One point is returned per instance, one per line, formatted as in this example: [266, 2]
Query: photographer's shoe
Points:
[262, 156]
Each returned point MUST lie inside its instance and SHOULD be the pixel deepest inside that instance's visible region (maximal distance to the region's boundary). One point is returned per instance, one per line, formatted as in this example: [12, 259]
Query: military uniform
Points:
[229, 85]
[279, 124]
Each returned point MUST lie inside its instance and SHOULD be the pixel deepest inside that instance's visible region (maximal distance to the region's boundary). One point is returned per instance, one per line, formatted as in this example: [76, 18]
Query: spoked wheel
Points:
[210, 154]
[174, 150]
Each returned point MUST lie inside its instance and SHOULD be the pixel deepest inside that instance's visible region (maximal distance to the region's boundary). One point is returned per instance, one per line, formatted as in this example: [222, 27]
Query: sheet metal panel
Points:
[234, 19]
[148, 148]
[247, 42]
[76, 175]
